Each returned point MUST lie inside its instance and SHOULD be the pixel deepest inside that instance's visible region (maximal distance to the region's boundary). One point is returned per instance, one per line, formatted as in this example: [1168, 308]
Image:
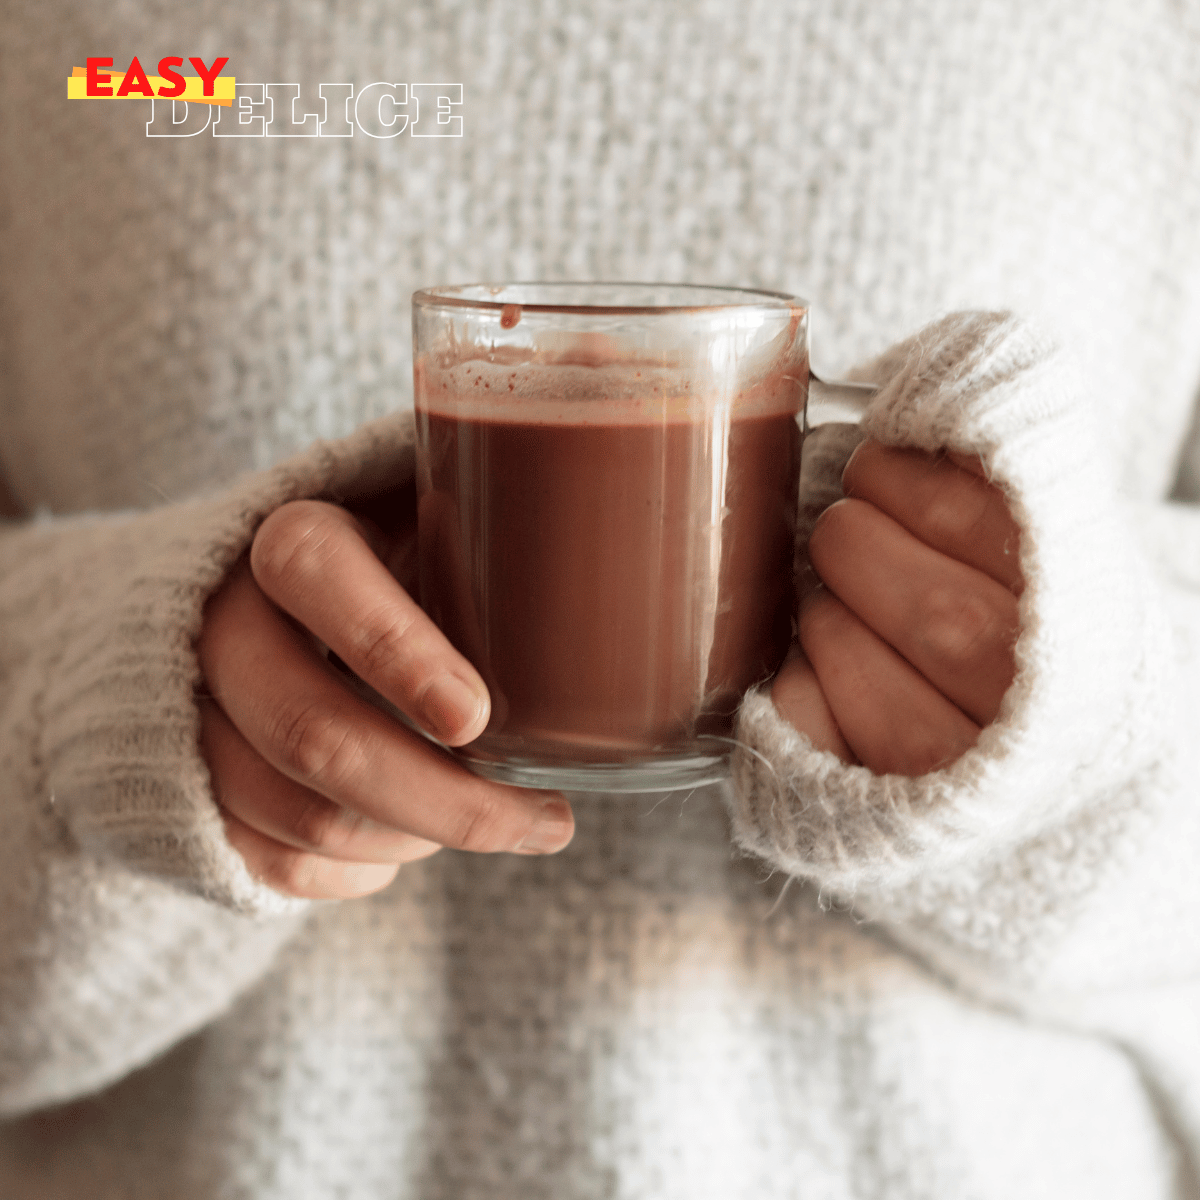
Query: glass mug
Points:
[607, 481]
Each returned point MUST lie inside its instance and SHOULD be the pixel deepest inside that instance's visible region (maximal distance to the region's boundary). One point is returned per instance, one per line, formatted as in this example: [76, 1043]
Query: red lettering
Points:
[135, 81]
[208, 74]
[95, 78]
[166, 70]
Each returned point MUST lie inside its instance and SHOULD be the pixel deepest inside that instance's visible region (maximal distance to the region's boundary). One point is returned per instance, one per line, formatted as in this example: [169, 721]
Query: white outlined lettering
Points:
[240, 119]
[177, 118]
[381, 110]
[434, 104]
[369, 109]
[333, 125]
[284, 98]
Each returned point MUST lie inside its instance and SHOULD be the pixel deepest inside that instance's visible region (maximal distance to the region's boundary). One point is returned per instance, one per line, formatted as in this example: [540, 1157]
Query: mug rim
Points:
[451, 296]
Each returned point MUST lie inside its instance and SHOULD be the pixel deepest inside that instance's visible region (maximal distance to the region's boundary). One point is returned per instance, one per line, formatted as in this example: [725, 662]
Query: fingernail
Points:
[846, 468]
[824, 514]
[807, 580]
[451, 705]
[552, 832]
[817, 594]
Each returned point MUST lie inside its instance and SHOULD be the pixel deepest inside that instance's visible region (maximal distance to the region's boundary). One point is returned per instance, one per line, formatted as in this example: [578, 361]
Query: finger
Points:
[797, 696]
[953, 623]
[945, 502]
[292, 707]
[449, 596]
[892, 719]
[299, 873]
[251, 789]
[970, 463]
[314, 561]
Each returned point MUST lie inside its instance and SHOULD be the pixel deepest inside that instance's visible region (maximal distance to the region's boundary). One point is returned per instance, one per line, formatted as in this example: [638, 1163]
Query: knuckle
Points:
[952, 515]
[316, 745]
[294, 544]
[292, 872]
[386, 642]
[959, 628]
[478, 828]
[320, 824]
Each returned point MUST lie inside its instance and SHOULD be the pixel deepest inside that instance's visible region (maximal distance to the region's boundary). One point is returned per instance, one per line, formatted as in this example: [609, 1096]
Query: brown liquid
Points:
[618, 586]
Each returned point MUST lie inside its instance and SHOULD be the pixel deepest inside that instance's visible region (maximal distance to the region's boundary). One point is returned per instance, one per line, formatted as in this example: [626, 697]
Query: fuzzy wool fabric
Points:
[813, 984]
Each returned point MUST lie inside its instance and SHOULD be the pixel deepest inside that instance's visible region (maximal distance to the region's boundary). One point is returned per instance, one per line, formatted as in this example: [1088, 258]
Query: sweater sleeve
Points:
[127, 921]
[1051, 869]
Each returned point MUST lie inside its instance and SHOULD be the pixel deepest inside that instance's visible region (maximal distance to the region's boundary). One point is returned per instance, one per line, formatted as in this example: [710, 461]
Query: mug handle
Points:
[835, 401]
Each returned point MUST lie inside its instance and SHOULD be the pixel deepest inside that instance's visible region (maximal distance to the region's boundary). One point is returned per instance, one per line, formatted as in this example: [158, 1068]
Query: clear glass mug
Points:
[607, 481]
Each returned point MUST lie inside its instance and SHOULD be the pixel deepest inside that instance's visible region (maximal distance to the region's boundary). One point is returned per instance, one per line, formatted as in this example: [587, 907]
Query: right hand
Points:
[322, 793]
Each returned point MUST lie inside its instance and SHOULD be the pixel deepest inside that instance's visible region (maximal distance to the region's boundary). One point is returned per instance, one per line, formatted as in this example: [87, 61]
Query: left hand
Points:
[906, 644]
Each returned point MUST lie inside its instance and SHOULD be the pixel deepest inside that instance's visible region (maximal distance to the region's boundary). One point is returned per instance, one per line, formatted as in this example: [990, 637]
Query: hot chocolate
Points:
[615, 561]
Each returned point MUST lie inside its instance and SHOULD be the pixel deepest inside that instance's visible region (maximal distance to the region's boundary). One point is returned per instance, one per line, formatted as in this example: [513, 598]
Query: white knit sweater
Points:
[987, 982]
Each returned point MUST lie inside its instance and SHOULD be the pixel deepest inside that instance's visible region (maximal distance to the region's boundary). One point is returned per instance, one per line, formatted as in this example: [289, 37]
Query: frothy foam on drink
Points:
[515, 386]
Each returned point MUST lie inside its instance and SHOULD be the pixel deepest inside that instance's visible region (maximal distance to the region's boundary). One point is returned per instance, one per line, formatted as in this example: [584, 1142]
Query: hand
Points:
[906, 645]
[322, 793]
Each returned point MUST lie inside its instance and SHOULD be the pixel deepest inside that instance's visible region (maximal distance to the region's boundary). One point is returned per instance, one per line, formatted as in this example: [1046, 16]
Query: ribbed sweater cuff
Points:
[119, 722]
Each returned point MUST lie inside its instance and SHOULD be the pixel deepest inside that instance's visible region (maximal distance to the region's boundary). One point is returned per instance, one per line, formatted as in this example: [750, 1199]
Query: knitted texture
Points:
[102, 748]
[119, 740]
[1085, 712]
